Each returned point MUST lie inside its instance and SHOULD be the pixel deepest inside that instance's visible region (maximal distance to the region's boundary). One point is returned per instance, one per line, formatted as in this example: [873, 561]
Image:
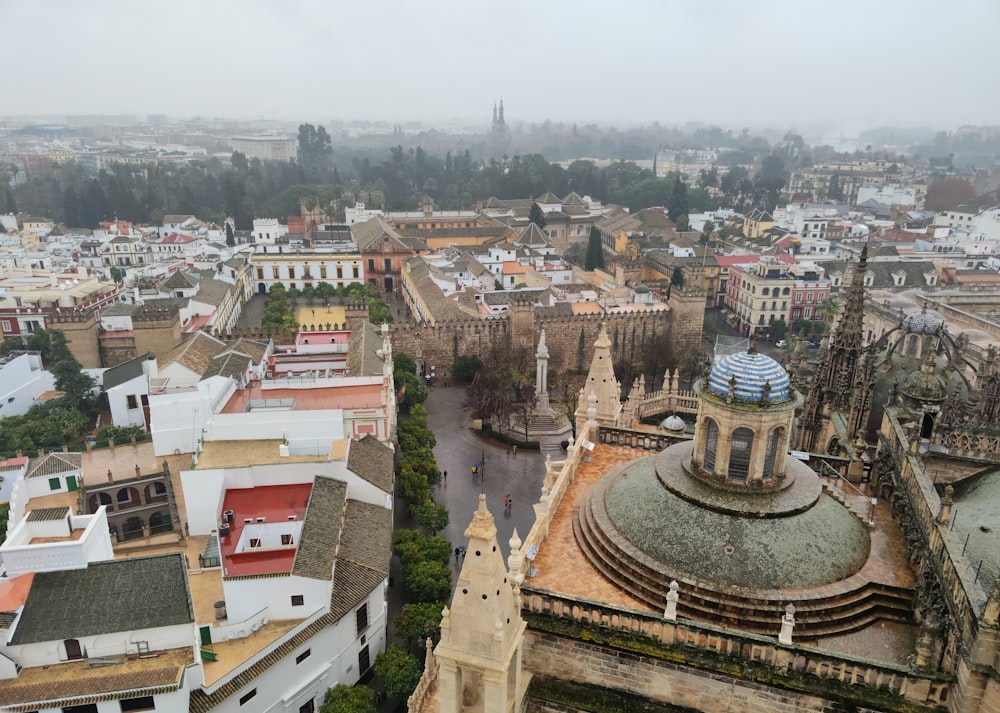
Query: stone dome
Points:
[925, 386]
[641, 289]
[739, 557]
[751, 370]
[922, 323]
[673, 423]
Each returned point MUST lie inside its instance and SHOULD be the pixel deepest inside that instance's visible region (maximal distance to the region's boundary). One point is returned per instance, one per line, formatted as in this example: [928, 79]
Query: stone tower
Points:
[522, 323]
[479, 655]
[602, 383]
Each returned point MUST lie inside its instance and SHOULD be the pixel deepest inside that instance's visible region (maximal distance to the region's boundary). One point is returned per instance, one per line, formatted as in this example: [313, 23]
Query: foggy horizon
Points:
[773, 64]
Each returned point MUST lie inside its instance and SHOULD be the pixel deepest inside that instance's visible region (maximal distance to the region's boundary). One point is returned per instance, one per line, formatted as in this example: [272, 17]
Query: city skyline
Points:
[772, 63]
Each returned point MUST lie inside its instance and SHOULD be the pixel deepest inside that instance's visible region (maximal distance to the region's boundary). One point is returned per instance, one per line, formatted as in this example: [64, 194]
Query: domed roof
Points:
[922, 323]
[655, 512]
[751, 370]
[925, 386]
[673, 423]
[641, 289]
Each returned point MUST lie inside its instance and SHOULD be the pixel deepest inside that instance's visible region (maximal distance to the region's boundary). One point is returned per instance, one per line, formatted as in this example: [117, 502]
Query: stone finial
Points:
[991, 615]
[731, 394]
[446, 617]
[482, 526]
[944, 512]
[765, 396]
[428, 654]
[498, 630]
[111, 478]
[591, 406]
[514, 560]
[787, 626]
[673, 596]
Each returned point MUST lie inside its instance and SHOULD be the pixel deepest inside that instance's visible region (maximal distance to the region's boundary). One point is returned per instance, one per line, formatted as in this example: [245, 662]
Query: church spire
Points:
[479, 655]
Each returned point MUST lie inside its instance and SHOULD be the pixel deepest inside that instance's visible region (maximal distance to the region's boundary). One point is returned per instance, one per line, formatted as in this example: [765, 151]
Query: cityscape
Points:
[604, 391]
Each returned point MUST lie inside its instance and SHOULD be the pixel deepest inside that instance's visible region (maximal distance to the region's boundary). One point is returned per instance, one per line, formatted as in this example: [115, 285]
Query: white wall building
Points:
[22, 380]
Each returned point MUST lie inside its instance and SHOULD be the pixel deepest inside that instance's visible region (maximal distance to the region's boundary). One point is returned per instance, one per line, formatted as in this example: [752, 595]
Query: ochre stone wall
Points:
[156, 331]
[80, 329]
[571, 660]
[570, 340]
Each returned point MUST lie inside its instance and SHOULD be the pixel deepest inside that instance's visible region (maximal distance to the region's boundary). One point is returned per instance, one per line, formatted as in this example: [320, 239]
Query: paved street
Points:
[714, 317]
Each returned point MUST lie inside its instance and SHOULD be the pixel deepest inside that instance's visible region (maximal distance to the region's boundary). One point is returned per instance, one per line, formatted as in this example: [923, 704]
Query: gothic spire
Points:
[851, 328]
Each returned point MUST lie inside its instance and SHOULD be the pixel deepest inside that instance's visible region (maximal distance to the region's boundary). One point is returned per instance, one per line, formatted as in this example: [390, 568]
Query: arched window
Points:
[711, 445]
[740, 448]
[773, 442]
[766, 291]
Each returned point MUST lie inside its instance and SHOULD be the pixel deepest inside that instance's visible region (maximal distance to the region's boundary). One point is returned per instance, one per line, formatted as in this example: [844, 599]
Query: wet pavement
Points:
[458, 449]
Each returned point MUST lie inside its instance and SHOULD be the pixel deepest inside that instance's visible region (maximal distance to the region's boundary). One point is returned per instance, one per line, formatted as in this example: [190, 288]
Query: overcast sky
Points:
[786, 63]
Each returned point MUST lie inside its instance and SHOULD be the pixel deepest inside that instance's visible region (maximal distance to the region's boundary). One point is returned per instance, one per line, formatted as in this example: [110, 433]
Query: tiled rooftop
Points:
[78, 678]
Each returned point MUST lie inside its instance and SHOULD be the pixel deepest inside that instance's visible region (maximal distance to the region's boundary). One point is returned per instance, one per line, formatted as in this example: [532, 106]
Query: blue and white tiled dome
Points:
[752, 370]
[922, 323]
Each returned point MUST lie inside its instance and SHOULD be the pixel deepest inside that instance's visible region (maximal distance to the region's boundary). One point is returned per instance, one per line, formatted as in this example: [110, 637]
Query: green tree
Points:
[834, 190]
[417, 622]
[466, 367]
[677, 278]
[230, 237]
[398, 670]
[349, 699]
[595, 251]
[117, 274]
[577, 253]
[779, 328]
[536, 216]
[678, 208]
[278, 310]
[69, 377]
[429, 581]
[431, 516]
[315, 152]
[828, 309]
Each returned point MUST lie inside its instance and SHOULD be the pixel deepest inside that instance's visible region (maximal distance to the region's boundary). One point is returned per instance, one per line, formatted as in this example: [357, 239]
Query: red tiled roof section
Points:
[275, 503]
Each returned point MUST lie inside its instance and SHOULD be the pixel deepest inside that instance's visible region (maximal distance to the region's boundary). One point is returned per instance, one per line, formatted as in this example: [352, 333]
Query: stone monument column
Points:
[542, 374]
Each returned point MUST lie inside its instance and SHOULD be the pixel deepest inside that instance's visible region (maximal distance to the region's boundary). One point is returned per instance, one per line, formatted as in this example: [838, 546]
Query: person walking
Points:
[506, 503]
[444, 475]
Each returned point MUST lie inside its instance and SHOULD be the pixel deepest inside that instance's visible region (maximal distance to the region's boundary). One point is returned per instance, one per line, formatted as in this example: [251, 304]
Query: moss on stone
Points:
[847, 695]
[595, 699]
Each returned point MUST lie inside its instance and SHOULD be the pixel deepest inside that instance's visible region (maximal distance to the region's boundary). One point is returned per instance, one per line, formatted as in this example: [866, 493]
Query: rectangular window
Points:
[145, 703]
[388, 264]
[260, 273]
[308, 707]
[355, 272]
[286, 539]
[364, 662]
[322, 271]
[303, 656]
[371, 266]
[248, 696]
[54, 484]
[132, 401]
[340, 272]
[274, 272]
[298, 600]
[85, 708]
[291, 272]
[5, 324]
[798, 298]
[254, 542]
[361, 616]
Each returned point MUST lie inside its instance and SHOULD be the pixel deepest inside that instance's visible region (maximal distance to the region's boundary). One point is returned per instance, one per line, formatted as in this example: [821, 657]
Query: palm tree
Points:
[828, 309]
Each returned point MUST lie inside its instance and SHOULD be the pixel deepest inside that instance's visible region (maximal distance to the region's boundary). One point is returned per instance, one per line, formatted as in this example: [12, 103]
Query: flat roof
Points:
[274, 503]
[315, 399]
[237, 454]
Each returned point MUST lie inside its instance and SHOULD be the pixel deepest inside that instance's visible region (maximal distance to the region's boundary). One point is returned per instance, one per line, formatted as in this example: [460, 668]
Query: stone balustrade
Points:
[759, 658]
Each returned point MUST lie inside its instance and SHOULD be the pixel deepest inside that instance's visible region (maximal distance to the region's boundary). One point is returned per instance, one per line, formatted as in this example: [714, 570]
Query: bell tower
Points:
[479, 655]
